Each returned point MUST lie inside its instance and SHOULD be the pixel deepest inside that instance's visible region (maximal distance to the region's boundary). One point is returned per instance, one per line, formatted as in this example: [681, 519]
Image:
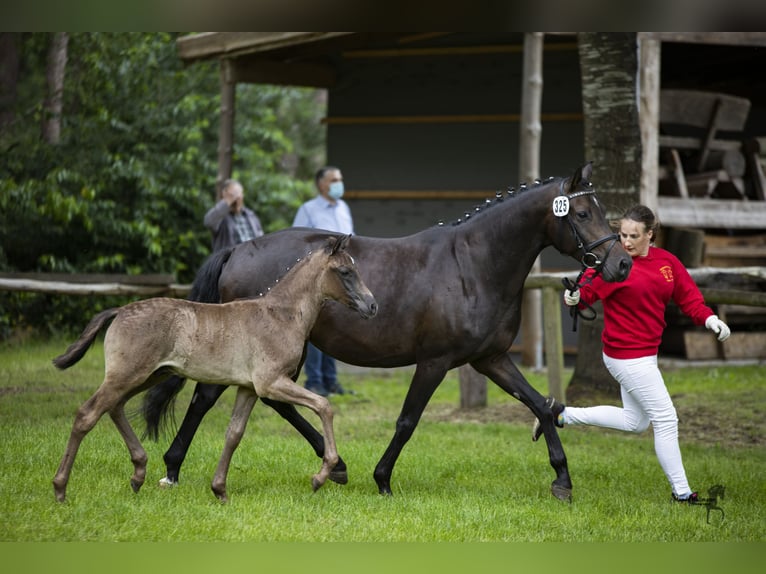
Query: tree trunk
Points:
[609, 65]
[57, 58]
[9, 76]
[529, 170]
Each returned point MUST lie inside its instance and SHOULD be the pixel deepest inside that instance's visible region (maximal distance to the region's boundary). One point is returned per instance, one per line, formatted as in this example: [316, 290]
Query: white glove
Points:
[570, 298]
[718, 327]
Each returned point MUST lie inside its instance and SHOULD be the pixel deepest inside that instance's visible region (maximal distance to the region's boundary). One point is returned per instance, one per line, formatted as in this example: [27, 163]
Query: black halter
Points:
[589, 259]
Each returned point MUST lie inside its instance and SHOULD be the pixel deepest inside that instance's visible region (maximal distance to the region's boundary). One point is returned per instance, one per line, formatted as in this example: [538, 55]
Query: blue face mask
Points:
[336, 190]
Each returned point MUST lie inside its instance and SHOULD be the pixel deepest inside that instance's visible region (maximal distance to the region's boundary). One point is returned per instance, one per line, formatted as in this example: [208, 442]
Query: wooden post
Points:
[554, 346]
[649, 117]
[529, 169]
[473, 388]
[226, 130]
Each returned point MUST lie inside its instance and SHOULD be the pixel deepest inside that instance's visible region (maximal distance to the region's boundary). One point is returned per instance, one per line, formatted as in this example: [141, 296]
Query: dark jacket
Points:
[220, 222]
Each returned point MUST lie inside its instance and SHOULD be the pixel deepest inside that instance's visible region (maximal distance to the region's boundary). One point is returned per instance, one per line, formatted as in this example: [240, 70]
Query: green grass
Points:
[457, 480]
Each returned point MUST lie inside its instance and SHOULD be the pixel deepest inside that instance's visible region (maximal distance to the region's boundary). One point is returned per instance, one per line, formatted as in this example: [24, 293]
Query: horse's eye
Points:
[582, 215]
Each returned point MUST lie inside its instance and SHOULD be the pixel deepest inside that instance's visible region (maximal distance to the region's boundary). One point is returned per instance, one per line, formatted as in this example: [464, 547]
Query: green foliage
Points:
[126, 189]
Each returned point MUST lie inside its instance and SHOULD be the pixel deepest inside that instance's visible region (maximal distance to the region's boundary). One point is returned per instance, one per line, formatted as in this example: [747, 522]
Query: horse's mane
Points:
[500, 198]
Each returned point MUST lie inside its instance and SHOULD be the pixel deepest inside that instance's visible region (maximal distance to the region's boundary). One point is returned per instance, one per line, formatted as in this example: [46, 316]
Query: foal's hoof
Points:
[60, 494]
[561, 492]
[136, 485]
[316, 482]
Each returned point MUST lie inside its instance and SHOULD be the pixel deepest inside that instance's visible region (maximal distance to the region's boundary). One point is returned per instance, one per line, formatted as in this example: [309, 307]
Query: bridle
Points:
[589, 259]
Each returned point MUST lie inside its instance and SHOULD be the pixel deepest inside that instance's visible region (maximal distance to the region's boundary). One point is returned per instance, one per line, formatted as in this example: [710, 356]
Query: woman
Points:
[634, 319]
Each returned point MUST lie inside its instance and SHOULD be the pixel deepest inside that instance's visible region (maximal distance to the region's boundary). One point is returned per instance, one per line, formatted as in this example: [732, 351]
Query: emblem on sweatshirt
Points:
[667, 273]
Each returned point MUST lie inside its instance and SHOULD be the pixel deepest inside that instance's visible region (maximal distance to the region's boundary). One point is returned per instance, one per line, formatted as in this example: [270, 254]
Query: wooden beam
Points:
[428, 194]
[284, 74]
[455, 50]
[211, 45]
[711, 213]
[447, 119]
[722, 38]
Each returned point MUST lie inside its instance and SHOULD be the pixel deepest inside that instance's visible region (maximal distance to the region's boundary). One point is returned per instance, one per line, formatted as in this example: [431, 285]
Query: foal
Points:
[255, 344]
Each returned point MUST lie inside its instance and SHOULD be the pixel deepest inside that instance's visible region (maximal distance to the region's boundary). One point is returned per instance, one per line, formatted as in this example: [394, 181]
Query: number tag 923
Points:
[561, 206]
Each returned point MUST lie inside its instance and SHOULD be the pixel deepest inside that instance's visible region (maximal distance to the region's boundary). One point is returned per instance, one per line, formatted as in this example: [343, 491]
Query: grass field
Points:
[464, 477]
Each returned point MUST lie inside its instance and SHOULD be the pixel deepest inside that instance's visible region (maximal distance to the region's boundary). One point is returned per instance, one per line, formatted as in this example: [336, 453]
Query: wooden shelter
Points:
[426, 125]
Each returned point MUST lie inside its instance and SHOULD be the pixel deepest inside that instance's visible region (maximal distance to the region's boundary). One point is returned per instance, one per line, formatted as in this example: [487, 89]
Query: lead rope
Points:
[575, 311]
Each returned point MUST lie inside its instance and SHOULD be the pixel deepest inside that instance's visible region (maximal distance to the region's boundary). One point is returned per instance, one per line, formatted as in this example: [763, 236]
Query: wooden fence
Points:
[473, 387]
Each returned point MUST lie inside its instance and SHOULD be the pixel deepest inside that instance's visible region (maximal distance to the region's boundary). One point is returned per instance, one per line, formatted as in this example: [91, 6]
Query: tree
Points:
[127, 185]
[57, 57]
[9, 76]
[609, 65]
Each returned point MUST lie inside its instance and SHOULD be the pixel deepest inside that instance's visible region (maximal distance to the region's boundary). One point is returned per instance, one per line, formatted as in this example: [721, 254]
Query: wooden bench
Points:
[701, 151]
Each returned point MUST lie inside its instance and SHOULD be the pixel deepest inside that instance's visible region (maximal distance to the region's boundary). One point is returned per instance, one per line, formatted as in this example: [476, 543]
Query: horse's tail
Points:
[157, 407]
[205, 286]
[77, 350]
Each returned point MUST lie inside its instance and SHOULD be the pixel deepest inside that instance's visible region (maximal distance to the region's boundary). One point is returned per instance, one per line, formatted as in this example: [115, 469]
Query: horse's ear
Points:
[340, 244]
[580, 175]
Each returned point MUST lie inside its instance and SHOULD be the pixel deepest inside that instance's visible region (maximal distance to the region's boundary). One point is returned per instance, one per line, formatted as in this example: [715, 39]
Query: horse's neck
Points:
[513, 232]
[301, 287]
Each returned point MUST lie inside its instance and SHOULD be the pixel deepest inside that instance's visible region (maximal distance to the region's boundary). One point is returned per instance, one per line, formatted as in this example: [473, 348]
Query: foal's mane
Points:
[500, 198]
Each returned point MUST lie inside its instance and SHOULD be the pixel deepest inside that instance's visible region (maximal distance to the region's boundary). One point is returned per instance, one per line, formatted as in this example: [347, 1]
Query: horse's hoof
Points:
[561, 492]
[316, 482]
[339, 476]
[60, 494]
[165, 482]
[136, 485]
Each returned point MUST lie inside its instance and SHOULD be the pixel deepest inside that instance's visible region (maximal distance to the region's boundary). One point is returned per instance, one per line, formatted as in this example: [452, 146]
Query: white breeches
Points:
[645, 399]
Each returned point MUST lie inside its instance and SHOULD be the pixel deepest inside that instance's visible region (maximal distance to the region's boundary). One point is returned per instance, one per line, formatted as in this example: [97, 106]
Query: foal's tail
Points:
[157, 407]
[77, 350]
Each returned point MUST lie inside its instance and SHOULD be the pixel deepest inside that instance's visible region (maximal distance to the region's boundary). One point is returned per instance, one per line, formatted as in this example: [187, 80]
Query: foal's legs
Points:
[204, 398]
[505, 375]
[243, 406]
[136, 450]
[89, 413]
[286, 390]
[427, 378]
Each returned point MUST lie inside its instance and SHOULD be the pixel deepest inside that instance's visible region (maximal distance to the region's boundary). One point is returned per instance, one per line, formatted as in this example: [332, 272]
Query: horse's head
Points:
[579, 228]
[344, 283]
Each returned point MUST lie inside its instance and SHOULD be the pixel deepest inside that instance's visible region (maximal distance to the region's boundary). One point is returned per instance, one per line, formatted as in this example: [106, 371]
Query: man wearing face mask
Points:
[326, 211]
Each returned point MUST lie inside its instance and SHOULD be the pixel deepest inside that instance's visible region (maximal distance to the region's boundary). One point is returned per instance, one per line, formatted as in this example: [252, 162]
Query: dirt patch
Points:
[735, 422]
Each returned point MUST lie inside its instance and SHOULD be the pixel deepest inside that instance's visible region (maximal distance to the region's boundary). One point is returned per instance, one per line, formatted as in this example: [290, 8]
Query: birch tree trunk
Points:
[609, 68]
[52, 106]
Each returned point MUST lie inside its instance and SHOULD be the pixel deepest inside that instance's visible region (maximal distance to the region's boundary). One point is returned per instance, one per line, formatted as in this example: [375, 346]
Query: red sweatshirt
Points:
[634, 310]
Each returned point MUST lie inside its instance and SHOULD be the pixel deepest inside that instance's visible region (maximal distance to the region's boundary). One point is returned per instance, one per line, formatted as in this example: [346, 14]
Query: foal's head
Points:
[341, 280]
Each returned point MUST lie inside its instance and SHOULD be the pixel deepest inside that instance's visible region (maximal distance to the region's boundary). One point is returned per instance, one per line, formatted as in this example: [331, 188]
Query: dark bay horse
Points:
[254, 344]
[448, 295]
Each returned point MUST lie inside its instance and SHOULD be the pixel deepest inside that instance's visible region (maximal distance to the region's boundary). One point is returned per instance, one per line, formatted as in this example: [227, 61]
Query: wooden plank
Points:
[210, 45]
[700, 109]
[445, 119]
[284, 73]
[699, 345]
[65, 288]
[428, 194]
[720, 38]
[711, 213]
[150, 279]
